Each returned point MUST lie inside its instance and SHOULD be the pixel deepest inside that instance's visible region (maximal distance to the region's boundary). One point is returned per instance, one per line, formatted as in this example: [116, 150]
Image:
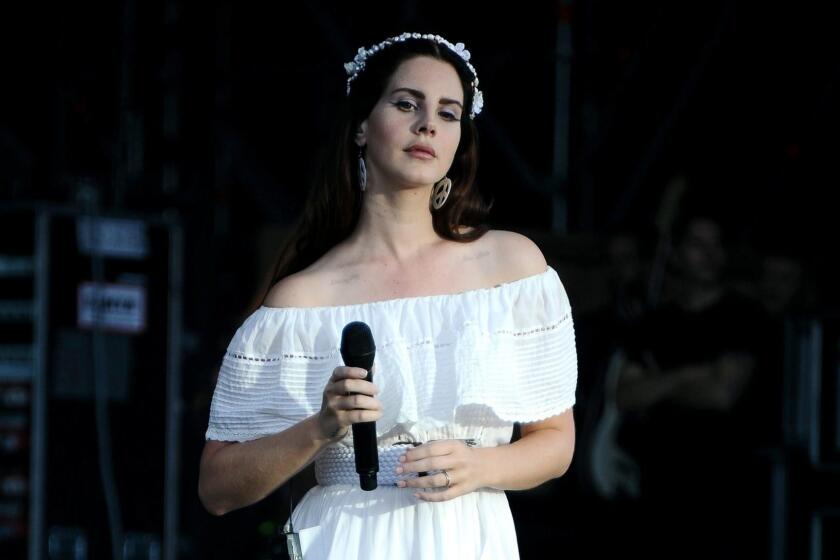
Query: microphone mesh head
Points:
[357, 338]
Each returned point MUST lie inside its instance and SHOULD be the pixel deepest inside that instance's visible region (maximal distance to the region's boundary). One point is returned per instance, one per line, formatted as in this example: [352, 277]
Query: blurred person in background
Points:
[691, 365]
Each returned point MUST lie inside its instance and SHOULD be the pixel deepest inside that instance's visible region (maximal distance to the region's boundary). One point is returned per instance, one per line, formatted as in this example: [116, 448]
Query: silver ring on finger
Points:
[448, 480]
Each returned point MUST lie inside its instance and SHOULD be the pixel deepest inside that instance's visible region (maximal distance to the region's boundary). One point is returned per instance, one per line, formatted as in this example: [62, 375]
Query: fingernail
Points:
[401, 483]
[402, 458]
[399, 470]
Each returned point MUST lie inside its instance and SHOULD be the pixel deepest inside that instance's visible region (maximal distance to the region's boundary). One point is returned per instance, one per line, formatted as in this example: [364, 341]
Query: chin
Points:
[415, 181]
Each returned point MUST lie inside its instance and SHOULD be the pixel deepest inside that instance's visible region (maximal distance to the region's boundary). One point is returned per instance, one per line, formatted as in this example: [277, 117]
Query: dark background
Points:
[211, 112]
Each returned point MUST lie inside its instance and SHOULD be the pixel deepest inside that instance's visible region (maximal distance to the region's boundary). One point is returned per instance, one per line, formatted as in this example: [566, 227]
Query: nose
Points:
[426, 125]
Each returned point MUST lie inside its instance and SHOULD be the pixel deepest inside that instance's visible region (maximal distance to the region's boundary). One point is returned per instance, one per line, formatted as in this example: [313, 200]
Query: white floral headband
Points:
[355, 68]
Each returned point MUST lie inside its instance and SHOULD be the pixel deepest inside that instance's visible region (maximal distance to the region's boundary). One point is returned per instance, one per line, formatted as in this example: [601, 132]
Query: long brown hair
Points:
[333, 205]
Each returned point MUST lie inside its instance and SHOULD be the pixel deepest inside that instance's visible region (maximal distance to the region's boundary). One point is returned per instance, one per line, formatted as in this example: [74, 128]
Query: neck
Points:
[395, 226]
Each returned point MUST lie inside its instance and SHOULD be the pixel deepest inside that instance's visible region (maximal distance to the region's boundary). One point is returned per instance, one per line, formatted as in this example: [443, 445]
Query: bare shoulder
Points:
[517, 256]
[295, 290]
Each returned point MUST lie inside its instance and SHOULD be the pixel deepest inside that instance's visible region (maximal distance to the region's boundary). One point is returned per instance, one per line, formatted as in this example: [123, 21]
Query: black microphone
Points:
[358, 350]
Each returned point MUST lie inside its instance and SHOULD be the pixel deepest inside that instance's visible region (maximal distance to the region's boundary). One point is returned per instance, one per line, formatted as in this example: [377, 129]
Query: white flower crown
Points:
[355, 68]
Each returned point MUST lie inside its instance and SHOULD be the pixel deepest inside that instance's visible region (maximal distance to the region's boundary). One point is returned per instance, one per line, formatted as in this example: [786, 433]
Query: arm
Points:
[712, 385]
[640, 387]
[235, 475]
[543, 452]
[722, 384]
[545, 448]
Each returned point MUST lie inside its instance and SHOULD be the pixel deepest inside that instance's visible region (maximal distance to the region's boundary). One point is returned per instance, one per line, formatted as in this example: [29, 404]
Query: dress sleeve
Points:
[524, 367]
[259, 392]
[547, 361]
[544, 355]
[499, 355]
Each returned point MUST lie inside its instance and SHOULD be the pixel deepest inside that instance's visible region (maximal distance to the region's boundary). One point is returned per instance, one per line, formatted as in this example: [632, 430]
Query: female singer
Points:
[473, 332]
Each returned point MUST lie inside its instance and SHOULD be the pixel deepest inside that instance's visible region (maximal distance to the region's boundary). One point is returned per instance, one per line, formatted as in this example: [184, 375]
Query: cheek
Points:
[382, 139]
[452, 147]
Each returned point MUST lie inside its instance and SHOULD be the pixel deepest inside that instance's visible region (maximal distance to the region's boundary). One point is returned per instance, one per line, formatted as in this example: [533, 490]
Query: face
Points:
[421, 106]
[701, 252]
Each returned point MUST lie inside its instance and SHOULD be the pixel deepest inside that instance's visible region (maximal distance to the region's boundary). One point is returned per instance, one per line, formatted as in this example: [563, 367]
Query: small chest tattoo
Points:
[345, 280]
[476, 256]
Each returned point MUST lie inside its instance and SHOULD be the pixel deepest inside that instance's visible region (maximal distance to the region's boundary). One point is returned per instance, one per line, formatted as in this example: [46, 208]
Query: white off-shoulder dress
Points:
[453, 366]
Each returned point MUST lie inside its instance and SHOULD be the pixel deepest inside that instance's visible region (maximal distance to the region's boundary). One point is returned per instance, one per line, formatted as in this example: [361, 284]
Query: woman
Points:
[473, 333]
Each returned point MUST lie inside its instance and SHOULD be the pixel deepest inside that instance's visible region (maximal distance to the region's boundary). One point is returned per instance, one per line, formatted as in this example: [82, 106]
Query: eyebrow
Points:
[419, 94]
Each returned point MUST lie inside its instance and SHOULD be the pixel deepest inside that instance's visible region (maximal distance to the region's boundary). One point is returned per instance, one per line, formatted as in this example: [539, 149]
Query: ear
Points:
[361, 134]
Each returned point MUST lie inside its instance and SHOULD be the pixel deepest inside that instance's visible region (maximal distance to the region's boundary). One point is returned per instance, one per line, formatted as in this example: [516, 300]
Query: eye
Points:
[405, 105]
[450, 116]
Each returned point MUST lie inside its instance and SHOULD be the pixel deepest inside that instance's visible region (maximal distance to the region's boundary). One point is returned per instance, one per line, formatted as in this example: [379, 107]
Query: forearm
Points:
[722, 386]
[644, 388]
[241, 474]
[537, 457]
[705, 394]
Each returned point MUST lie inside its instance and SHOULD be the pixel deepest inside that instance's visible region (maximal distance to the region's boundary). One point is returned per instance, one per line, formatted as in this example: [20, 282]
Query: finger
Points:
[423, 465]
[347, 372]
[428, 449]
[356, 416]
[357, 402]
[431, 481]
[440, 496]
[342, 372]
[354, 386]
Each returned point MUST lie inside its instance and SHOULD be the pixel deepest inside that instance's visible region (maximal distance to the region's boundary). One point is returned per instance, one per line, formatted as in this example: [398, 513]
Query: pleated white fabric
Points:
[453, 366]
[344, 522]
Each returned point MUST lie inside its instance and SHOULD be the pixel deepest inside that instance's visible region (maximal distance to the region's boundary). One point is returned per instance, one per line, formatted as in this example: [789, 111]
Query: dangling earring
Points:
[362, 170]
[441, 192]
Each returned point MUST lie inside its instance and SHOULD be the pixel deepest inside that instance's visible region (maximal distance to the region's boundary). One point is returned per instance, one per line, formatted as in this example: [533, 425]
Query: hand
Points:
[348, 399]
[733, 371]
[461, 462]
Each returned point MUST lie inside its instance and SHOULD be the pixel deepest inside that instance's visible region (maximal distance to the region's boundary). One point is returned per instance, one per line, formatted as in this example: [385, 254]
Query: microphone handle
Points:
[367, 458]
[364, 434]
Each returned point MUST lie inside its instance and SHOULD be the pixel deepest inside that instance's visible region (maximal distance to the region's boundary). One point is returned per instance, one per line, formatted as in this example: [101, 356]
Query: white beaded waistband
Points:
[337, 465]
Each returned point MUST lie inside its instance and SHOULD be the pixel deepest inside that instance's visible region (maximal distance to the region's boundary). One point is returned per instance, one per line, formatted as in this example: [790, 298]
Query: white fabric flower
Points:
[478, 102]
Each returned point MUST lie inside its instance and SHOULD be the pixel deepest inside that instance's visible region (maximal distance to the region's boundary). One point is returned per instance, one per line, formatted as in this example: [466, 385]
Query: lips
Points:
[421, 149]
